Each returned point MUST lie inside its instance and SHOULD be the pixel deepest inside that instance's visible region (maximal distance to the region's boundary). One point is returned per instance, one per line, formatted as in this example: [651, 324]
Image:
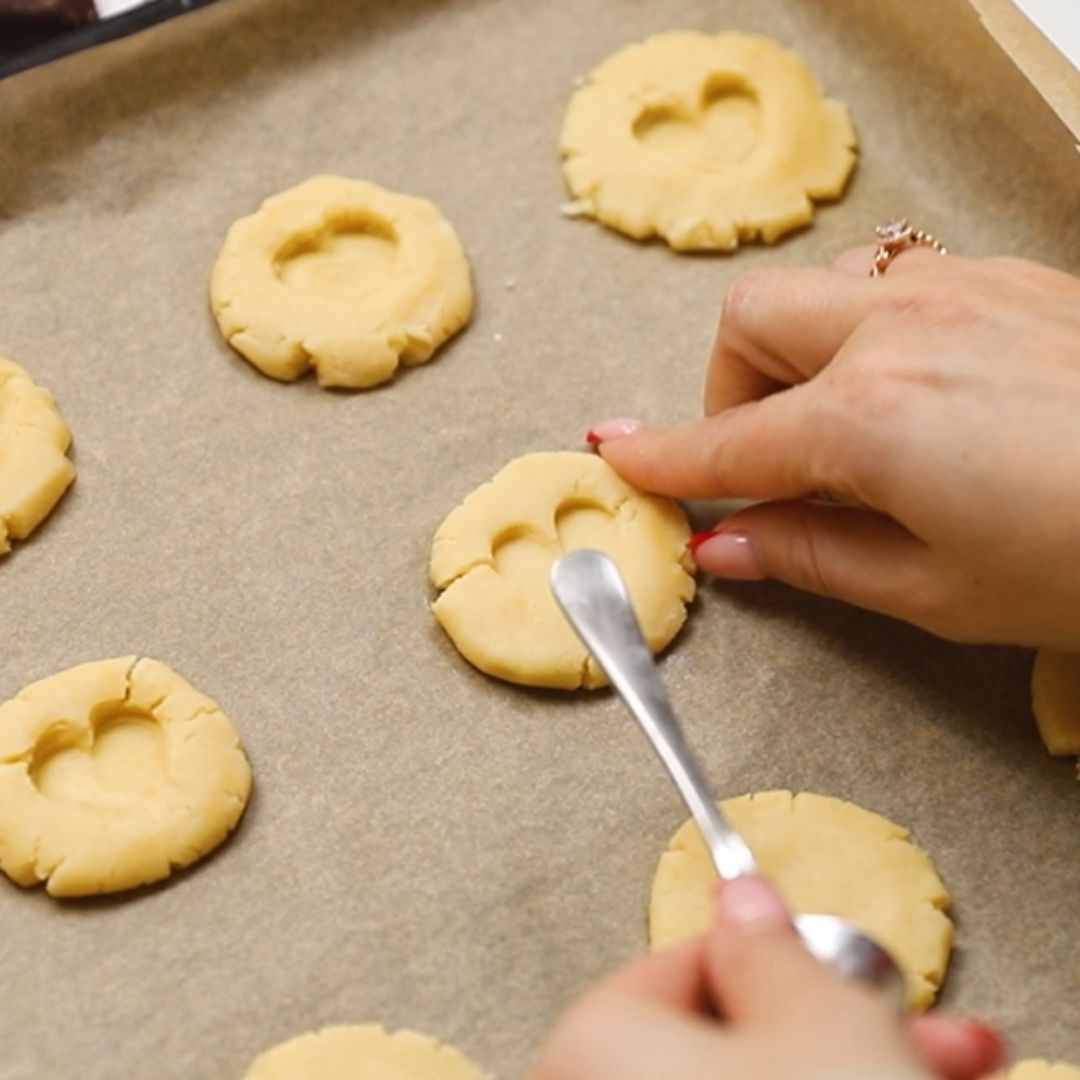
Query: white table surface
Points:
[1059, 20]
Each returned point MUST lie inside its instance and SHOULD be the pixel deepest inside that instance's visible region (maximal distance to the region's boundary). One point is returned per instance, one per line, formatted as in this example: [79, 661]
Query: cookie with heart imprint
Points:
[491, 557]
[113, 774]
[343, 277]
[704, 140]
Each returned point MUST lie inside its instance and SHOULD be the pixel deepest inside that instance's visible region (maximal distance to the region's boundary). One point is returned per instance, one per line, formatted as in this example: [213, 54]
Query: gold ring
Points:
[897, 236]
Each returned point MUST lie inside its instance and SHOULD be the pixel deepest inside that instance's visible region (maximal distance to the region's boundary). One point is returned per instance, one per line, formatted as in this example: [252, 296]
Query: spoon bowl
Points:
[593, 596]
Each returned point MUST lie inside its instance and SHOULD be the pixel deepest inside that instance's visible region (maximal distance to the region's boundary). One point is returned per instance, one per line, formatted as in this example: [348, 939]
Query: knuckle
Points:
[742, 297]
[809, 563]
[940, 303]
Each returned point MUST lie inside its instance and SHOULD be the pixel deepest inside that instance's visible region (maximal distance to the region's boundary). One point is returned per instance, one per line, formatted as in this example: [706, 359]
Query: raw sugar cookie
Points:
[34, 469]
[1039, 1069]
[112, 775]
[492, 555]
[362, 1052]
[828, 856]
[1055, 700]
[341, 276]
[704, 140]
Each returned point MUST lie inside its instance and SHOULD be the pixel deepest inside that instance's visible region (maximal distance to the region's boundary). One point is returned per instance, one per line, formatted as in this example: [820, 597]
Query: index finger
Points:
[778, 448]
[779, 328]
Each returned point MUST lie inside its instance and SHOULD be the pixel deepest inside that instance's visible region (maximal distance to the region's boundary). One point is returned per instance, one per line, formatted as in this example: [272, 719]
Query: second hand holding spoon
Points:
[592, 594]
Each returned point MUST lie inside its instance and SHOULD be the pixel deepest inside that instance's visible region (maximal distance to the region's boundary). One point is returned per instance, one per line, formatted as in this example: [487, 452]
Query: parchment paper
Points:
[427, 847]
[1049, 70]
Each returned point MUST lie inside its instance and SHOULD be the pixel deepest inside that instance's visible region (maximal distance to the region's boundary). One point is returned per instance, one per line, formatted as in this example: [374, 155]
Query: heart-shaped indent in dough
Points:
[705, 140]
[525, 557]
[119, 758]
[343, 262]
[492, 555]
[113, 774]
[718, 131]
[343, 277]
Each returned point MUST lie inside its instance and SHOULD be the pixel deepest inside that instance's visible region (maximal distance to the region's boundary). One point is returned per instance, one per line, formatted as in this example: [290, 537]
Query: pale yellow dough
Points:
[34, 468]
[1055, 700]
[704, 140]
[362, 1052]
[492, 555]
[112, 775]
[341, 276]
[828, 856]
[1039, 1069]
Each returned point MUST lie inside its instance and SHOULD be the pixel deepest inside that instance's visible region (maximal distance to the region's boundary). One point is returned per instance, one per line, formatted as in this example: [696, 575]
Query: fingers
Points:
[757, 451]
[779, 328]
[612, 1038]
[673, 977]
[638, 1024]
[843, 552]
[956, 1049]
[754, 961]
[856, 262]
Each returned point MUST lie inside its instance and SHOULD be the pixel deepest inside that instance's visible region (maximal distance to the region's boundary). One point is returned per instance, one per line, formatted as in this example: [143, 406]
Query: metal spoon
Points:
[593, 596]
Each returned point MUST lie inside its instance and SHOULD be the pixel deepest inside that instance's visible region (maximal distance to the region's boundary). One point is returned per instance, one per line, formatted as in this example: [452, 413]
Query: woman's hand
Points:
[937, 408]
[747, 1001]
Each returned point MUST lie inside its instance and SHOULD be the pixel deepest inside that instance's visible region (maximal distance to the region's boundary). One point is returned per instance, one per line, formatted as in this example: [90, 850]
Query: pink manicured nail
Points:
[618, 428]
[989, 1044]
[749, 901]
[698, 539]
[727, 555]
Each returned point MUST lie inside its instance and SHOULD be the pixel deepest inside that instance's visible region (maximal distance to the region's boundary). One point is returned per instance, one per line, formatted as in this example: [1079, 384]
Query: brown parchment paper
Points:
[1049, 70]
[426, 847]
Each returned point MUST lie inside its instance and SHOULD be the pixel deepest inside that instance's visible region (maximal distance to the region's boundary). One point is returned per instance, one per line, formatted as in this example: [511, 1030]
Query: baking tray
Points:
[97, 33]
[426, 847]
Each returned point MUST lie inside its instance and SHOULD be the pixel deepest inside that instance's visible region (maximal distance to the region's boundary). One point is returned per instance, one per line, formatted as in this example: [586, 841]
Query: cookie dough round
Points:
[1055, 700]
[827, 856]
[1039, 1069]
[341, 276]
[34, 468]
[704, 140]
[362, 1052]
[492, 555]
[112, 775]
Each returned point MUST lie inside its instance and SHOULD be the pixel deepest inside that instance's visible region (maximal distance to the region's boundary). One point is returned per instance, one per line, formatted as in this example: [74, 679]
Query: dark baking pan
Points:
[34, 32]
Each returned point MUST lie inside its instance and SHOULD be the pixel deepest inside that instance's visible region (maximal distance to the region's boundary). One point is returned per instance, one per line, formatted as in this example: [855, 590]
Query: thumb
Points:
[755, 963]
[848, 553]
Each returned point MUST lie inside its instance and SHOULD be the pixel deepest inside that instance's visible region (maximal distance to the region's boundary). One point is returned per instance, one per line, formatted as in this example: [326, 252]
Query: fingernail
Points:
[750, 901]
[989, 1044]
[618, 428]
[727, 555]
[698, 539]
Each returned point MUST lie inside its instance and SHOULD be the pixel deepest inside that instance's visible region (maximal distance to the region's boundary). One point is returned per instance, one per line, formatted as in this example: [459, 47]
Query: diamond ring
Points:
[898, 236]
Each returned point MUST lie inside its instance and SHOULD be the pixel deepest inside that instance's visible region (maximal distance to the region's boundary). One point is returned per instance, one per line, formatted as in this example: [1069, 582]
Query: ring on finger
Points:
[897, 236]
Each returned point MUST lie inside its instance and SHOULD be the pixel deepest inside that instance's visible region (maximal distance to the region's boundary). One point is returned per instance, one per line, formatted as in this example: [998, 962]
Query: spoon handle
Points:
[593, 596]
